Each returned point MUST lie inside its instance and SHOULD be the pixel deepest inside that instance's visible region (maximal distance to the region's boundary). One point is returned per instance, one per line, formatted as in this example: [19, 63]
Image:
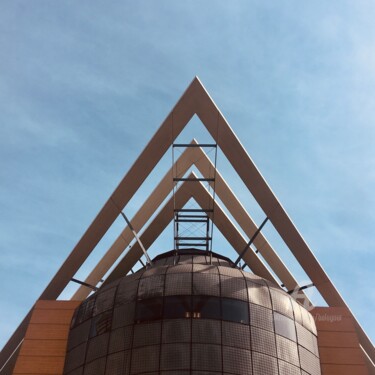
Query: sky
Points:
[84, 86]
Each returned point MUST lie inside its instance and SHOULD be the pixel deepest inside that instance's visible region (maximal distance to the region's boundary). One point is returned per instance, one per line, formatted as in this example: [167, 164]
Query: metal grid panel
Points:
[261, 317]
[200, 259]
[315, 346]
[123, 315]
[237, 361]
[263, 341]
[77, 371]
[206, 331]
[178, 284]
[96, 367]
[281, 303]
[285, 326]
[305, 338]
[101, 323]
[115, 364]
[206, 357]
[206, 284]
[232, 272]
[176, 330]
[264, 364]
[205, 268]
[152, 286]
[233, 288]
[309, 362]
[308, 321]
[224, 263]
[258, 294]
[178, 372]
[288, 369]
[185, 259]
[237, 335]
[120, 339]
[254, 278]
[97, 347]
[147, 334]
[75, 358]
[287, 350]
[145, 359]
[104, 300]
[126, 292]
[85, 310]
[159, 262]
[159, 270]
[79, 334]
[297, 311]
[180, 268]
[215, 261]
[175, 357]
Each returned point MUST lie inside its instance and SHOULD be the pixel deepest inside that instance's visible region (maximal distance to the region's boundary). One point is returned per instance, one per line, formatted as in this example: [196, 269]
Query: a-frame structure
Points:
[194, 101]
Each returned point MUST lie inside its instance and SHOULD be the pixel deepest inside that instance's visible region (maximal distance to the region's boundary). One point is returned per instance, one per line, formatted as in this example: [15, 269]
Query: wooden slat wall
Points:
[338, 342]
[43, 350]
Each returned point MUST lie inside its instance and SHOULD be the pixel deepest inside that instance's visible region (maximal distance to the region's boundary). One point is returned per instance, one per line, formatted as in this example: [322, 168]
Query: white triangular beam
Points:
[190, 156]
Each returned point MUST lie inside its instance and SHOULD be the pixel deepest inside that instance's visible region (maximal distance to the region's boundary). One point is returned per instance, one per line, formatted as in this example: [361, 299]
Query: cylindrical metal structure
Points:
[192, 314]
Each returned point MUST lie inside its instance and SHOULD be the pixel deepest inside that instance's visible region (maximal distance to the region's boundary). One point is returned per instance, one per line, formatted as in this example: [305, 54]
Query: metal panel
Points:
[145, 359]
[120, 339]
[104, 300]
[281, 302]
[285, 326]
[306, 338]
[309, 362]
[237, 361]
[233, 288]
[152, 286]
[123, 315]
[206, 284]
[178, 284]
[263, 341]
[206, 357]
[176, 330]
[288, 369]
[126, 292]
[115, 364]
[258, 294]
[75, 358]
[205, 268]
[147, 334]
[97, 347]
[96, 367]
[261, 317]
[264, 364]
[206, 331]
[175, 357]
[79, 334]
[237, 335]
[287, 350]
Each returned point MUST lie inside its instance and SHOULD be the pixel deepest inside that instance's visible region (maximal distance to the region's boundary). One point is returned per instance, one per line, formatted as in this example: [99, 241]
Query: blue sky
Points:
[84, 85]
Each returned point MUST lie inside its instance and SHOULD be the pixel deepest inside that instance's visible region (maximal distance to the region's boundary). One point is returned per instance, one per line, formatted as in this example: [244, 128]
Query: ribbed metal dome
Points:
[192, 314]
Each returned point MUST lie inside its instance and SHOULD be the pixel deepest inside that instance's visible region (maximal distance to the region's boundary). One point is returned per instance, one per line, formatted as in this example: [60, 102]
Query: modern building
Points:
[190, 310]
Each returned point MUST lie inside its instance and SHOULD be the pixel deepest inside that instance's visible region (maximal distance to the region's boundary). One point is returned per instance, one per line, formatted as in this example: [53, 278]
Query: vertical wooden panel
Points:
[44, 348]
[340, 353]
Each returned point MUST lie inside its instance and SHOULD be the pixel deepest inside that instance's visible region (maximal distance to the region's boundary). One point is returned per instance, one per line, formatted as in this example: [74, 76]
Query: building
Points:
[190, 310]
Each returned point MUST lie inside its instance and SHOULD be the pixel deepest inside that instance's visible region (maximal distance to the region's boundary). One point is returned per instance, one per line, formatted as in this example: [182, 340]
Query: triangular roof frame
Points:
[194, 156]
[195, 100]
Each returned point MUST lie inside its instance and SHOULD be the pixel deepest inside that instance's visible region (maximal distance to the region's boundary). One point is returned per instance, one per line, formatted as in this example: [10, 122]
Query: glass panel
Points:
[177, 307]
[149, 309]
[206, 307]
[235, 311]
[284, 326]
